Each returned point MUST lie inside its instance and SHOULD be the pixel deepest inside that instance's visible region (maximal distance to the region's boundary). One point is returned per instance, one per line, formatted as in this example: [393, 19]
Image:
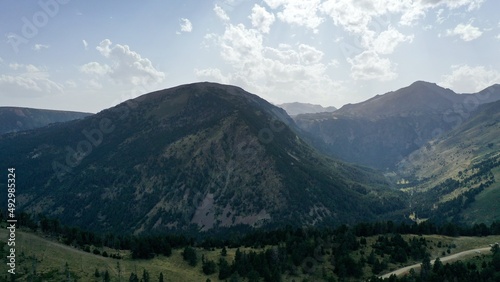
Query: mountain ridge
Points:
[297, 108]
[14, 119]
[200, 156]
[383, 130]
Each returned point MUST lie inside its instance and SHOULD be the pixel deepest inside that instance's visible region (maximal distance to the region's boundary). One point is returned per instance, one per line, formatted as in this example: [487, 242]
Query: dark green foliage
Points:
[106, 278]
[209, 267]
[133, 277]
[224, 269]
[189, 255]
[145, 276]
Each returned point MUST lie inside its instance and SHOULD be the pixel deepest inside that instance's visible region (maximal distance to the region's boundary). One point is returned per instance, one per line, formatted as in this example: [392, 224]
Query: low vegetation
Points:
[364, 251]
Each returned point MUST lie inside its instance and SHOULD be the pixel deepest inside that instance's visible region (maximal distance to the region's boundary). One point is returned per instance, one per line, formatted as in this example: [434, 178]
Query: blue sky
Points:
[91, 55]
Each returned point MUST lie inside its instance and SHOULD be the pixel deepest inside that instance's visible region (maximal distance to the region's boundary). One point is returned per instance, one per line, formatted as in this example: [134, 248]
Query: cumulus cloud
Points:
[468, 79]
[466, 32]
[286, 69]
[310, 55]
[261, 19]
[221, 14]
[186, 25]
[299, 12]
[96, 68]
[388, 40]
[369, 65]
[28, 81]
[213, 73]
[38, 47]
[125, 66]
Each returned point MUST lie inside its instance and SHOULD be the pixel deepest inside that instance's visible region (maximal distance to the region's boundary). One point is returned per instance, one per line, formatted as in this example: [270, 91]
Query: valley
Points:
[388, 182]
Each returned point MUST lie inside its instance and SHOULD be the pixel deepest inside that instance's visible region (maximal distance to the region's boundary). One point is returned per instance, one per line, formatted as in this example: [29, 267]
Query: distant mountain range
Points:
[13, 119]
[197, 156]
[383, 130]
[297, 108]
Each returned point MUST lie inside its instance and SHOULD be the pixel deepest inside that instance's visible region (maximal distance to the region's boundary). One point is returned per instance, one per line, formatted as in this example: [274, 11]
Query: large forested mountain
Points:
[203, 155]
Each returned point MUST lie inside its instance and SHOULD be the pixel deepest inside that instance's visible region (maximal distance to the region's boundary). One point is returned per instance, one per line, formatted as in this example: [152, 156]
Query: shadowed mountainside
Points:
[14, 119]
[203, 155]
[383, 130]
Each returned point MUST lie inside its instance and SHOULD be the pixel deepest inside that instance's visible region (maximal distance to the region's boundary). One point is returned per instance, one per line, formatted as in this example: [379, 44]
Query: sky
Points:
[91, 55]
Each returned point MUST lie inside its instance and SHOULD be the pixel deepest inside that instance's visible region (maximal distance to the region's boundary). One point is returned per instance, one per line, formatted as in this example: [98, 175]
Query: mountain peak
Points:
[418, 98]
[422, 82]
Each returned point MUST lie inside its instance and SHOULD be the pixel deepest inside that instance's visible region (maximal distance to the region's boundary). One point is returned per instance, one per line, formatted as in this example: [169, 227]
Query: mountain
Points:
[417, 99]
[202, 155]
[456, 175]
[297, 108]
[14, 119]
[383, 130]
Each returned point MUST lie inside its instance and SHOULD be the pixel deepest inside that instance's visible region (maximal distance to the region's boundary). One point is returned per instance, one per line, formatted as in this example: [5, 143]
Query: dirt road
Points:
[449, 258]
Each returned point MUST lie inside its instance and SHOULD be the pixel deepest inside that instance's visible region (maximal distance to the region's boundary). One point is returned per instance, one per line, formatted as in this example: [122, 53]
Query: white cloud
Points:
[467, 79]
[389, 39]
[261, 19]
[241, 46]
[71, 83]
[213, 73]
[96, 68]
[38, 47]
[221, 14]
[125, 66]
[186, 25]
[299, 12]
[85, 44]
[310, 55]
[28, 81]
[454, 4]
[295, 72]
[467, 32]
[368, 65]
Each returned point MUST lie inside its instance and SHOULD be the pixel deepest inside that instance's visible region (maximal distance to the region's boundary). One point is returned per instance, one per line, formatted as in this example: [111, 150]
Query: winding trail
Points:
[449, 258]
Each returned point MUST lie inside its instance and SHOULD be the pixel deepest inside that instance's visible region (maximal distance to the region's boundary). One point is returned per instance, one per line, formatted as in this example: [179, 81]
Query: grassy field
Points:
[485, 209]
[49, 259]
[449, 245]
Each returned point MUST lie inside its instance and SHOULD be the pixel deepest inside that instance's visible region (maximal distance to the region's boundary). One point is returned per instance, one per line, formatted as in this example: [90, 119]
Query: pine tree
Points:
[106, 276]
[161, 277]
[133, 278]
[425, 267]
[224, 269]
[438, 265]
[145, 276]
